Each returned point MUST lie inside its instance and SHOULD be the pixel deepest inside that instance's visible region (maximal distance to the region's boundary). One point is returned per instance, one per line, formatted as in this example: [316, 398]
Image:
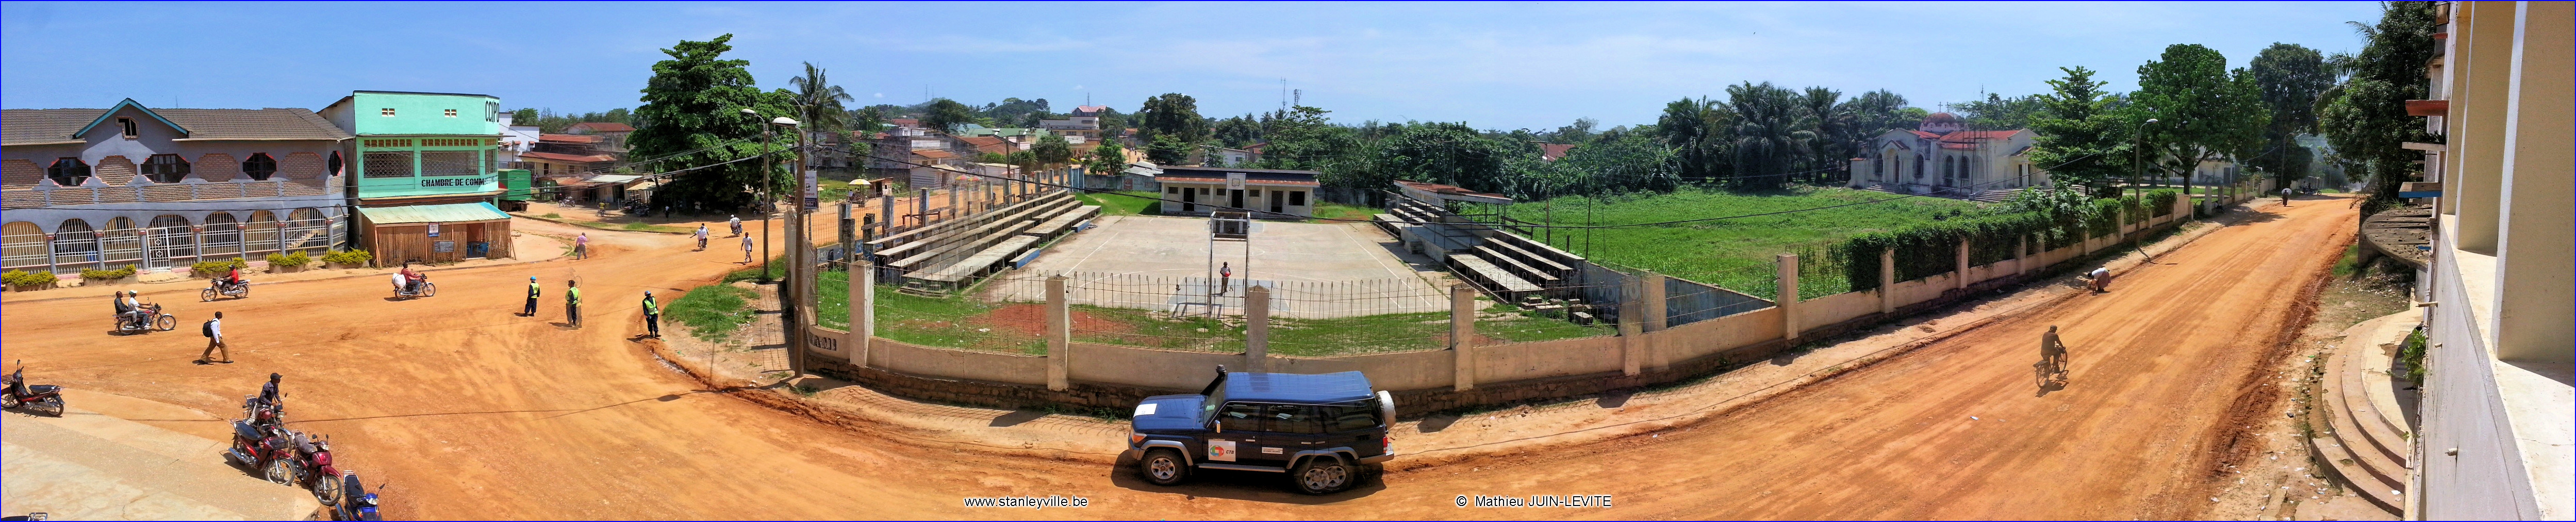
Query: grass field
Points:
[1115, 205]
[1731, 253]
[1326, 210]
[712, 311]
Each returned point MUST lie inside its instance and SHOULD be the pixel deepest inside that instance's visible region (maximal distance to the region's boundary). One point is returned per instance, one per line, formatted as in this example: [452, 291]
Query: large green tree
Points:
[1052, 150]
[1701, 134]
[1769, 134]
[692, 118]
[1171, 127]
[1301, 138]
[1107, 160]
[2204, 112]
[2081, 141]
[946, 115]
[2366, 119]
[1444, 153]
[2291, 78]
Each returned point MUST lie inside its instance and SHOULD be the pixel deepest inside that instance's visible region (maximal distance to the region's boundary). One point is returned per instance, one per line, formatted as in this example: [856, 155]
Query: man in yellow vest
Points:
[572, 303]
[652, 316]
[531, 309]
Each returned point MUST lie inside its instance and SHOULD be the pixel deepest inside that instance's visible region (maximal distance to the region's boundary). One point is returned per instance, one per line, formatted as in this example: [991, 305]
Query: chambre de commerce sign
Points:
[455, 182]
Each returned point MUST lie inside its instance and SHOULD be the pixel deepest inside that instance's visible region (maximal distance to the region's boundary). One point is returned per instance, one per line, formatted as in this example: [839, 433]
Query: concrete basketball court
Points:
[1178, 247]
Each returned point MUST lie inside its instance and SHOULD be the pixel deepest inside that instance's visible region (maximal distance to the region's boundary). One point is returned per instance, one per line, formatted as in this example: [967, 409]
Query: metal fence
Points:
[1201, 296]
[165, 247]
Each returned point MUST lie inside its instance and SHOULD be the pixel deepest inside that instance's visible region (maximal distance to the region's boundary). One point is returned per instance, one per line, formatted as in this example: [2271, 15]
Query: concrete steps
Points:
[2366, 439]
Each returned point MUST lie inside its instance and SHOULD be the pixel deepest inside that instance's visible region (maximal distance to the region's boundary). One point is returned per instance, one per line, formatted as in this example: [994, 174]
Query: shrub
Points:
[289, 259]
[349, 257]
[120, 273]
[215, 268]
[26, 278]
[2161, 201]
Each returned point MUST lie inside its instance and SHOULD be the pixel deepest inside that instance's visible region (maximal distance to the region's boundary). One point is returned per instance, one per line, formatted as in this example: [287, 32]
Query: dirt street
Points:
[472, 413]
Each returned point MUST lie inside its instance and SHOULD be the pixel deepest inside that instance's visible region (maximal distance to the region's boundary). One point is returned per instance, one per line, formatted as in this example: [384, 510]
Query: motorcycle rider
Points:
[411, 279]
[268, 400]
[132, 307]
[124, 312]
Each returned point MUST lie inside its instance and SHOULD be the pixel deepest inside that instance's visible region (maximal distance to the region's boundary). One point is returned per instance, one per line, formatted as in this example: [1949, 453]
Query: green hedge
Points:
[26, 278]
[289, 259]
[349, 257]
[2161, 201]
[120, 273]
[216, 268]
[1929, 249]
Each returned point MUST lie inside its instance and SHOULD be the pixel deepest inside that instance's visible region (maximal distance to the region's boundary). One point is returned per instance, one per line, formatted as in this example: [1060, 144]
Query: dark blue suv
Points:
[1325, 431]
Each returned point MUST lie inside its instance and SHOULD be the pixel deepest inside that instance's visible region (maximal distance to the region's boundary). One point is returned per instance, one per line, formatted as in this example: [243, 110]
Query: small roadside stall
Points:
[436, 233]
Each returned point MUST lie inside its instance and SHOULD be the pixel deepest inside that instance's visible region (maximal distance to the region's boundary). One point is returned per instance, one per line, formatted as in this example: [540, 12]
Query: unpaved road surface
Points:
[472, 413]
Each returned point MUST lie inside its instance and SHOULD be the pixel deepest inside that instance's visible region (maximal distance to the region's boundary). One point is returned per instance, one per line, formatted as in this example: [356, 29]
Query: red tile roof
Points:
[569, 138]
[986, 144]
[601, 127]
[1551, 151]
[933, 153]
[565, 158]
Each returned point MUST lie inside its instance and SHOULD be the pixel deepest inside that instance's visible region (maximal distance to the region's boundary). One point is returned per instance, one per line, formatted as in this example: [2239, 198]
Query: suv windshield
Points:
[1207, 410]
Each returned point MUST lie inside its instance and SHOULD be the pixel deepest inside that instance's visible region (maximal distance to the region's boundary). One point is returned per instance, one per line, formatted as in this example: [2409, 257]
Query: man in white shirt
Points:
[215, 342]
[2101, 279]
[746, 250]
[736, 223]
[702, 236]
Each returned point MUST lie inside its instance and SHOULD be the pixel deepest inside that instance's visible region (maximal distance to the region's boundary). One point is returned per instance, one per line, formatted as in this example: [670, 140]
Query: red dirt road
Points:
[472, 413]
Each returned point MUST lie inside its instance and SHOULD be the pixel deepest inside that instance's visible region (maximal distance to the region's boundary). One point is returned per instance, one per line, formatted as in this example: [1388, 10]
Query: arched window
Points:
[171, 238]
[260, 232]
[165, 168]
[75, 245]
[221, 236]
[121, 244]
[306, 230]
[22, 246]
[68, 172]
[259, 167]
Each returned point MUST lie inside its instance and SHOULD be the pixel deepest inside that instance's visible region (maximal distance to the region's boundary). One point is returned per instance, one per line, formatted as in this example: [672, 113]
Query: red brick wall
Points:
[115, 170]
[217, 167]
[20, 173]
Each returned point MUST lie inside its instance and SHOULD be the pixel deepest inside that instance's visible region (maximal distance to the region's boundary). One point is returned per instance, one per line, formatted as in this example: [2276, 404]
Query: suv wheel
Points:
[1164, 467]
[1322, 476]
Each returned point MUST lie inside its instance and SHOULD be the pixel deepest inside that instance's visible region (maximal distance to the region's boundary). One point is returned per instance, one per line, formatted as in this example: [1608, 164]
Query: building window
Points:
[387, 164]
[68, 172]
[1171, 190]
[1297, 198]
[334, 163]
[450, 163]
[451, 113]
[259, 167]
[165, 168]
[388, 111]
[492, 111]
[128, 124]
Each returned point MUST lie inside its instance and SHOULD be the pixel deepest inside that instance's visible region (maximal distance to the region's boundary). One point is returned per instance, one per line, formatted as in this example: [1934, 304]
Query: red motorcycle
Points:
[313, 467]
[46, 397]
[265, 450]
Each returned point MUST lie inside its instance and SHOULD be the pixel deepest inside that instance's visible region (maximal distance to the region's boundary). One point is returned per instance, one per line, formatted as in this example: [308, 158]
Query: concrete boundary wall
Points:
[1112, 376]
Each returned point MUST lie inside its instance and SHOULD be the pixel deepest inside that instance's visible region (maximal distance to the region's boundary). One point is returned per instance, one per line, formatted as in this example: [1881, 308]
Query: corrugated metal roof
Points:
[614, 178]
[449, 213]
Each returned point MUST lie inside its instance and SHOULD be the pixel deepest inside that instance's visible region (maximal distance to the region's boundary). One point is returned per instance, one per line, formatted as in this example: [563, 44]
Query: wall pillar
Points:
[1887, 281]
[1462, 333]
[1256, 328]
[2021, 255]
[2532, 273]
[1059, 336]
[1632, 326]
[863, 315]
[1657, 318]
[1788, 298]
[1959, 278]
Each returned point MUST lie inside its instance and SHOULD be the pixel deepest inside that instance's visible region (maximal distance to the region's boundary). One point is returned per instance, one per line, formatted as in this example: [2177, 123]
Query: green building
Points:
[423, 179]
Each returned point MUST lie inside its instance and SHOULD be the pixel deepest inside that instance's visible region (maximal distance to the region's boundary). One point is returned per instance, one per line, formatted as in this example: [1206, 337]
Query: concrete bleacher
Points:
[1501, 262]
[952, 255]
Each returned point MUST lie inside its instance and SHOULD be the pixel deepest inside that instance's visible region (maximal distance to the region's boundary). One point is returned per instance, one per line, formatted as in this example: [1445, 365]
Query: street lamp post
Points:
[792, 293]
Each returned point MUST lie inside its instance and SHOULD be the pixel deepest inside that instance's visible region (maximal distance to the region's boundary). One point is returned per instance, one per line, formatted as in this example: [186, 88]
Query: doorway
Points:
[1278, 204]
[1236, 199]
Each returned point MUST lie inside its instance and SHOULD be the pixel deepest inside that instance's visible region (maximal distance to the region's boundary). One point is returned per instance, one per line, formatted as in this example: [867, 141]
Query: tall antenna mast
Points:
[1283, 94]
[1300, 95]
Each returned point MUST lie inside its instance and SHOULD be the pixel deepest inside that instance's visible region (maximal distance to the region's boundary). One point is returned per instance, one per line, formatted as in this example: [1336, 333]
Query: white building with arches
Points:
[164, 188]
[1942, 157]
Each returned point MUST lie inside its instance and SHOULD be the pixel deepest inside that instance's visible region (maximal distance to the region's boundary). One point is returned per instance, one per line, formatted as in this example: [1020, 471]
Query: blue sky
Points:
[1505, 66]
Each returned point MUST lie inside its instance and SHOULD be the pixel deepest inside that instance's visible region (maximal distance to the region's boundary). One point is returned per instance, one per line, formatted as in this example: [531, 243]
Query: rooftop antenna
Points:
[1283, 94]
[1300, 96]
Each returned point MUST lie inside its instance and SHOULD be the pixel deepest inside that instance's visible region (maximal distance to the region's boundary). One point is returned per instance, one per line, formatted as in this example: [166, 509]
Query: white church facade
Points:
[1942, 157]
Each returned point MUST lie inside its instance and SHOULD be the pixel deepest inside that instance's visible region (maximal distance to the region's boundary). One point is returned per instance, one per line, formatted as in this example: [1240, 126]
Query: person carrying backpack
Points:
[214, 330]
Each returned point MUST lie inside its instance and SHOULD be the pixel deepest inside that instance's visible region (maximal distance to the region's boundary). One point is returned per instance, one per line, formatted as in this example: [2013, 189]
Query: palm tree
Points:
[818, 102]
[1768, 134]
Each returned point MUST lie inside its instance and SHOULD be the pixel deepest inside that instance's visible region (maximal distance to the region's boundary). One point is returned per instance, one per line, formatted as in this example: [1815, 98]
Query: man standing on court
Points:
[531, 309]
[746, 249]
[572, 303]
[581, 246]
[215, 341]
[652, 316]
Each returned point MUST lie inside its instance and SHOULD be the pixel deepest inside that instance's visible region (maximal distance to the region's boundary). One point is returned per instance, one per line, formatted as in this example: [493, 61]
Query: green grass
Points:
[1724, 251]
[1148, 203]
[551, 215]
[1330, 210]
[712, 311]
[777, 271]
[638, 226]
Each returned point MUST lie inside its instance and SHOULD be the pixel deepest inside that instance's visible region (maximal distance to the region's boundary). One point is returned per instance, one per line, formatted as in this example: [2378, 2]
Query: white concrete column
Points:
[1959, 279]
[1654, 293]
[2533, 273]
[1887, 281]
[863, 314]
[1256, 328]
[1787, 299]
[2021, 255]
[1462, 333]
[1059, 336]
[2484, 107]
[1632, 326]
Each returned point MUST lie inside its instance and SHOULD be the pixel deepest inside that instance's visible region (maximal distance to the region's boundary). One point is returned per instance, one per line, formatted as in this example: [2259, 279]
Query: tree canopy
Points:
[2080, 139]
[2203, 110]
[692, 117]
[1171, 127]
[2291, 78]
[2366, 119]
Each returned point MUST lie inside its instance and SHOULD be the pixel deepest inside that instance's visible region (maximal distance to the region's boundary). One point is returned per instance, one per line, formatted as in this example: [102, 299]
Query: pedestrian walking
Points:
[746, 250]
[652, 316]
[2285, 196]
[581, 246]
[736, 223]
[702, 237]
[531, 309]
[215, 341]
[572, 303]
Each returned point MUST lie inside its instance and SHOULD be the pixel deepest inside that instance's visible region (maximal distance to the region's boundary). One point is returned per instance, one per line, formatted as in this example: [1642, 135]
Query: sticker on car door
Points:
[1221, 450]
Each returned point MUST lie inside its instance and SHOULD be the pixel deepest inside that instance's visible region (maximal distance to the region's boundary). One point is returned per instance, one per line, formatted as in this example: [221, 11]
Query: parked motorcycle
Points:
[421, 288]
[221, 288]
[45, 397]
[152, 320]
[313, 466]
[265, 450]
[262, 414]
[355, 502]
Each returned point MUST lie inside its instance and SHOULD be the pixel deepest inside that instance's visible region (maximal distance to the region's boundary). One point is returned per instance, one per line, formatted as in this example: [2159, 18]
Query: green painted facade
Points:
[419, 144]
